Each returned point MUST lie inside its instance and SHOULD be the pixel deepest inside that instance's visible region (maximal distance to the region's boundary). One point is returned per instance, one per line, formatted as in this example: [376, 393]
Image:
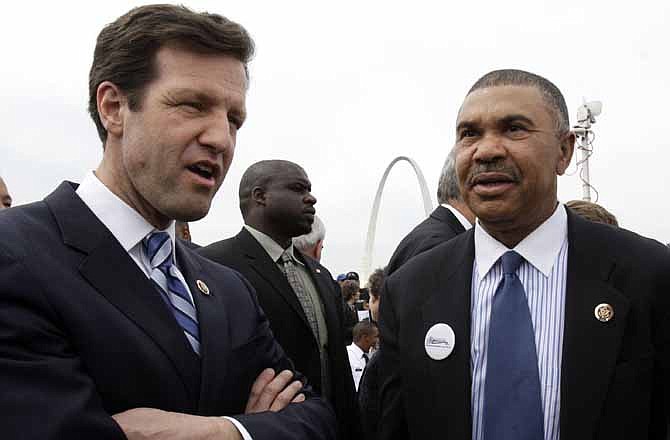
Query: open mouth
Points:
[203, 170]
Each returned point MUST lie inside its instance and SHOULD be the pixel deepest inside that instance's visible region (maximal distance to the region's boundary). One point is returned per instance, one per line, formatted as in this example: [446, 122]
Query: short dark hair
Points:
[363, 328]
[375, 282]
[447, 187]
[514, 77]
[125, 50]
[260, 174]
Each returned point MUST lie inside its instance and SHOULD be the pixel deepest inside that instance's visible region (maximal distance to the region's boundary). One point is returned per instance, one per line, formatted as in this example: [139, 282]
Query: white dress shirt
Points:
[129, 228]
[543, 275]
[357, 362]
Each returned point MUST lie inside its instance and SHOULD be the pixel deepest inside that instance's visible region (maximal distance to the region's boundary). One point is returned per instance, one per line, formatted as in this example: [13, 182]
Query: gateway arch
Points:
[372, 226]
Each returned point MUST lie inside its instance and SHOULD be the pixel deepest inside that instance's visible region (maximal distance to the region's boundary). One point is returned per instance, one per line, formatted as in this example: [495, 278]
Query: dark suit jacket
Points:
[442, 225]
[615, 376]
[84, 335]
[368, 399]
[289, 323]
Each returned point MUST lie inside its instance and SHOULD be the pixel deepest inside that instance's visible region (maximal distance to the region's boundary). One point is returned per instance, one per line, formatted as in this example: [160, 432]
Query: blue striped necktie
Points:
[158, 248]
[512, 397]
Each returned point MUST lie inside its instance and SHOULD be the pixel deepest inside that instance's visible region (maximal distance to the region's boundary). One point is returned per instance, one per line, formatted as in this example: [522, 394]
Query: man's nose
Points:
[219, 134]
[490, 148]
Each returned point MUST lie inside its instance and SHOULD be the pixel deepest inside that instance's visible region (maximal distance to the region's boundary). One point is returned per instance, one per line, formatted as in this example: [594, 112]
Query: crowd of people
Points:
[504, 315]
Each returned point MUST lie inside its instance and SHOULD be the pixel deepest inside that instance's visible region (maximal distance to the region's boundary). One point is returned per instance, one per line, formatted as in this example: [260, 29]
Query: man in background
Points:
[5, 198]
[451, 218]
[366, 336]
[296, 292]
[311, 244]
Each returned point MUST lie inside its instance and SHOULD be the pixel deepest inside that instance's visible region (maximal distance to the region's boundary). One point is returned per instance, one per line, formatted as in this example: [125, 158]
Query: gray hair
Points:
[512, 77]
[307, 241]
[447, 187]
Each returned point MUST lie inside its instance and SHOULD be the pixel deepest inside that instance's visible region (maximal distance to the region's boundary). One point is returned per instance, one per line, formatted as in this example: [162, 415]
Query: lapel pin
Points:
[439, 342]
[202, 287]
[317, 270]
[604, 312]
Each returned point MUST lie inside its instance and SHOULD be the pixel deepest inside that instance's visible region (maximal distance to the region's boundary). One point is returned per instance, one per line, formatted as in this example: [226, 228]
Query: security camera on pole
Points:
[586, 117]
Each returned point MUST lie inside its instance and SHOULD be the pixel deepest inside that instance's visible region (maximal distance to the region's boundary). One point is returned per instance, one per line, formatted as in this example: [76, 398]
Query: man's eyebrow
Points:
[191, 93]
[466, 124]
[517, 118]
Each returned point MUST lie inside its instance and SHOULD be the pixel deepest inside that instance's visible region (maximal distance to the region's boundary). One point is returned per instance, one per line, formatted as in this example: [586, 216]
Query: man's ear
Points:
[258, 195]
[111, 105]
[567, 146]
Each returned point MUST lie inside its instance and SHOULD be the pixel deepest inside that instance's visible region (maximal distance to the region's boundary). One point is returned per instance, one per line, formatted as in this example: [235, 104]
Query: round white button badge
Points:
[439, 342]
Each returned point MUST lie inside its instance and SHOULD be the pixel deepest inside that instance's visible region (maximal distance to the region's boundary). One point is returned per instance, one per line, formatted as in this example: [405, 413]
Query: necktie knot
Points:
[286, 257]
[158, 247]
[511, 261]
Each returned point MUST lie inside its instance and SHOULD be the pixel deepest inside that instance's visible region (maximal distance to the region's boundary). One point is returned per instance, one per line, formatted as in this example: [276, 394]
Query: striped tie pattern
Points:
[158, 248]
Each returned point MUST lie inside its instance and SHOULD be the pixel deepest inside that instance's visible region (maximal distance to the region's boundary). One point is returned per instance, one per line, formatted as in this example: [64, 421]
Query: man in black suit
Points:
[295, 291]
[589, 301]
[107, 329]
[451, 218]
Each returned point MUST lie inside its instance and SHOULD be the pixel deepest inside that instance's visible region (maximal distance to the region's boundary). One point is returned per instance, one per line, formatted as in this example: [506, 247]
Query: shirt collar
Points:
[358, 351]
[125, 224]
[540, 248]
[461, 218]
[271, 247]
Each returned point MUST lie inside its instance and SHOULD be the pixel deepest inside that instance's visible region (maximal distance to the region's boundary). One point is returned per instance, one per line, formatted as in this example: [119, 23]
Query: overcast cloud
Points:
[344, 87]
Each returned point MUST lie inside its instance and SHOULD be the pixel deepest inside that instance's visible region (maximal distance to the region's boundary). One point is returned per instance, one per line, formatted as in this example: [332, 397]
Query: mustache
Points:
[493, 167]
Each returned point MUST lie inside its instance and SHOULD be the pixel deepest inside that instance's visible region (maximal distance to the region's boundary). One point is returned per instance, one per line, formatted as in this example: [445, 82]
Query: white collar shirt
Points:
[543, 275]
[357, 362]
[460, 217]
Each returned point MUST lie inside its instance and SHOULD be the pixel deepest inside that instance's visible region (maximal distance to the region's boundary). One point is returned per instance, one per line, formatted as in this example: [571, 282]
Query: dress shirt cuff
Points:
[238, 425]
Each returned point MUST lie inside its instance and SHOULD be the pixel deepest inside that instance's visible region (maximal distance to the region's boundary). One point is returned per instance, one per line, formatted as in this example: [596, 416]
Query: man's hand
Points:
[154, 424]
[271, 393]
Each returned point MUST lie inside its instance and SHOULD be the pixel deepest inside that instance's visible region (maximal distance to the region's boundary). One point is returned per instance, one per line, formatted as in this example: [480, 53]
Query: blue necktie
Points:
[158, 248]
[512, 398]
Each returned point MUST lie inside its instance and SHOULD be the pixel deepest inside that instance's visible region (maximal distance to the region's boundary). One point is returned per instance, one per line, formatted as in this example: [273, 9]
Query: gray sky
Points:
[344, 87]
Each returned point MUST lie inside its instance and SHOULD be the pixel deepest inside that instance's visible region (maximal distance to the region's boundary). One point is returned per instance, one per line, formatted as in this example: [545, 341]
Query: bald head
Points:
[260, 175]
[5, 198]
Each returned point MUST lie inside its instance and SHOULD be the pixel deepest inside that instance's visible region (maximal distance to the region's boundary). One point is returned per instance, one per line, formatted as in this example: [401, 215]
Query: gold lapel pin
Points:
[604, 312]
[202, 287]
[317, 270]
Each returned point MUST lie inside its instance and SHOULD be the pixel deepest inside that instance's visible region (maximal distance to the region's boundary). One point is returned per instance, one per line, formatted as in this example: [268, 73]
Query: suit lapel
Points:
[267, 269]
[113, 274]
[590, 347]
[214, 336]
[449, 303]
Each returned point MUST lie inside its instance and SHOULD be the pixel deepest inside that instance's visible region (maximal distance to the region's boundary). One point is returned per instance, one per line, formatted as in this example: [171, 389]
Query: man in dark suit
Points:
[536, 324]
[107, 329]
[451, 218]
[295, 291]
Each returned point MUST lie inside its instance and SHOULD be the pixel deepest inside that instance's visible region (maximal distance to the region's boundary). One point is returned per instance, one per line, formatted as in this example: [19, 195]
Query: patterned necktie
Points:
[305, 300]
[158, 248]
[512, 397]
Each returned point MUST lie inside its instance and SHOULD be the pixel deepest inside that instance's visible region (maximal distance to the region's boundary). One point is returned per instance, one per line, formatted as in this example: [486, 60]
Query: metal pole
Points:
[586, 187]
